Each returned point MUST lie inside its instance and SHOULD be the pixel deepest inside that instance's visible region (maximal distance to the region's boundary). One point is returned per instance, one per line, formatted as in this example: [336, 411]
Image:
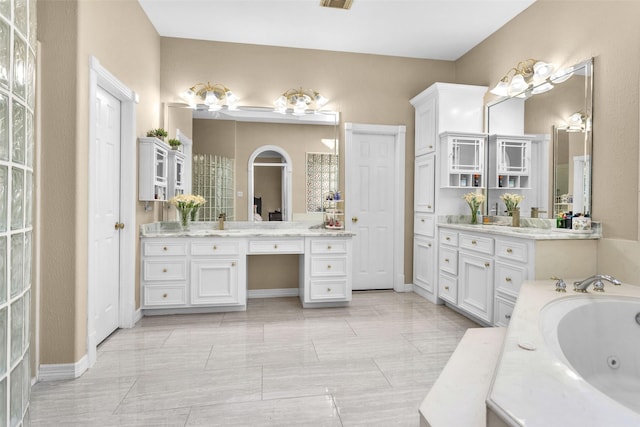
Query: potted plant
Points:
[174, 143]
[158, 133]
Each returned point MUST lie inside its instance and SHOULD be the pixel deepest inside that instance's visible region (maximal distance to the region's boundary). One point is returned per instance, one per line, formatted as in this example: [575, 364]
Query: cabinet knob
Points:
[164, 249]
[329, 267]
[164, 295]
[507, 279]
[329, 247]
[486, 264]
[328, 289]
[430, 147]
[275, 246]
[164, 270]
[446, 260]
[428, 206]
[354, 219]
[507, 316]
[473, 242]
[233, 264]
[509, 250]
[215, 248]
[447, 238]
[446, 288]
[421, 219]
[428, 245]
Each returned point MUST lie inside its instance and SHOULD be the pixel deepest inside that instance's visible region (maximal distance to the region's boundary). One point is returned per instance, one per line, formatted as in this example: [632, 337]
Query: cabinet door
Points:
[426, 130]
[424, 186]
[475, 285]
[214, 281]
[423, 263]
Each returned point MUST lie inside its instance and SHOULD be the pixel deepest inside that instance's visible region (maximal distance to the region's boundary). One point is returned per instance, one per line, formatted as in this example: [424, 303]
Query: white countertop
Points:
[533, 387]
[240, 229]
[533, 233]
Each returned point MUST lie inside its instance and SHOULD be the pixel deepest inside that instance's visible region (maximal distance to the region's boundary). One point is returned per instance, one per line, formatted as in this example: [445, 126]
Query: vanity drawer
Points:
[511, 250]
[164, 270]
[448, 260]
[328, 290]
[215, 247]
[509, 278]
[448, 237]
[164, 248]
[448, 288]
[502, 312]
[328, 266]
[424, 224]
[161, 295]
[476, 243]
[326, 246]
[276, 246]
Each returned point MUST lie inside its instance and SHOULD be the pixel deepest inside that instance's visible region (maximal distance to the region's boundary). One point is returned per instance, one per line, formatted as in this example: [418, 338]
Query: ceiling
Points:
[430, 29]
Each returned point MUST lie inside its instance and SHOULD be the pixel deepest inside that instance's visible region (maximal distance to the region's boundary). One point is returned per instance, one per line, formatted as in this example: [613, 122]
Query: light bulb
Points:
[518, 84]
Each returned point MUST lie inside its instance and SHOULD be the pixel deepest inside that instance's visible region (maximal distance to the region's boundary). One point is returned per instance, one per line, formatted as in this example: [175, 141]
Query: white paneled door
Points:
[371, 190]
[106, 239]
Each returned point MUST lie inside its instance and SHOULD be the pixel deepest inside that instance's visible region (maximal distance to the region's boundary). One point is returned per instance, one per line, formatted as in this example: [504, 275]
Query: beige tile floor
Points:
[369, 364]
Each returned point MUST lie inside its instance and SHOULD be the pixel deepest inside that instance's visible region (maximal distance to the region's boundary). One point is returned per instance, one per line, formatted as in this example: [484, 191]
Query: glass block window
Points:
[213, 179]
[322, 177]
[17, 101]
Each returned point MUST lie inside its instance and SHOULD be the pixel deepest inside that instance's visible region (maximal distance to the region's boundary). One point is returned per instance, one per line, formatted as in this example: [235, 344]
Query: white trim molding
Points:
[273, 293]
[287, 173]
[101, 77]
[63, 371]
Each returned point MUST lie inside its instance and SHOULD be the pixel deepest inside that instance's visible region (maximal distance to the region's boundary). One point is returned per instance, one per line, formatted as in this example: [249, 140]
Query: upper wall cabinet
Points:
[510, 161]
[446, 107]
[154, 170]
[464, 160]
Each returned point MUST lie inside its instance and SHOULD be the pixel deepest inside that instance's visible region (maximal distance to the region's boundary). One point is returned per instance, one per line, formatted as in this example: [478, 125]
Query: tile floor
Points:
[369, 364]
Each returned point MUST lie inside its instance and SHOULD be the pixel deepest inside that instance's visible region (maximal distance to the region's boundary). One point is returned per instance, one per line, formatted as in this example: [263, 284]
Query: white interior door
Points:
[370, 199]
[106, 241]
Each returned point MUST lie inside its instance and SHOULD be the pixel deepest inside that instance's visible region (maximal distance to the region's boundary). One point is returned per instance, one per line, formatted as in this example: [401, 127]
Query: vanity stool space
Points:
[481, 267]
[206, 270]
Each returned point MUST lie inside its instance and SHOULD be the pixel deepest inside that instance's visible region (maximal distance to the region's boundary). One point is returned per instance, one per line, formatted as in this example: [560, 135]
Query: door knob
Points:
[119, 226]
[354, 219]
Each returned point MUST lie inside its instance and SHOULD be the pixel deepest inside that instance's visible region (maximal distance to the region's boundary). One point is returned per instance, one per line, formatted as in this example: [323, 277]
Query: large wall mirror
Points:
[255, 164]
[540, 147]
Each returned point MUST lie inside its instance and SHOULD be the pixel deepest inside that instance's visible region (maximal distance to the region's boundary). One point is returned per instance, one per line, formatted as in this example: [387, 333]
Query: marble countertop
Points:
[532, 386]
[540, 230]
[240, 229]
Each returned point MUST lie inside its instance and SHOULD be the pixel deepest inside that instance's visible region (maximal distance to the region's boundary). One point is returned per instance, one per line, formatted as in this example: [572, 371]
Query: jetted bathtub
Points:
[599, 338]
[569, 359]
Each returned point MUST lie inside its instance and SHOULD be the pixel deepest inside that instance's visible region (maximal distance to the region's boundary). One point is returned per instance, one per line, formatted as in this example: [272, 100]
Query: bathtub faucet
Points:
[598, 284]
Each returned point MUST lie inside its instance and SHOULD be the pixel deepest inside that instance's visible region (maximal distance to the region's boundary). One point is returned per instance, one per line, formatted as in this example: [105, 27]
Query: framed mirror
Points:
[540, 147]
[231, 173]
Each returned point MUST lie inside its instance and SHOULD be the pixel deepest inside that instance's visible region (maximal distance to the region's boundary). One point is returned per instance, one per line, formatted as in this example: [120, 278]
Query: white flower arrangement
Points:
[187, 205]
[511, 201]
[474, 200]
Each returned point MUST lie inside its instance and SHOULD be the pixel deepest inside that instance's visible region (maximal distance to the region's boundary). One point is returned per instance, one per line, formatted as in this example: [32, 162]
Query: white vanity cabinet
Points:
[183, 274]
[153, 170]
[325, 272]
[186, 273]
[442, 107]
[217, 270]
[480, 274]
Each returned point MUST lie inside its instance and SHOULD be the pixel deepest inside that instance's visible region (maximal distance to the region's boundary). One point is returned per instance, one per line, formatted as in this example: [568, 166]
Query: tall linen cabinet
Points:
[454, 109]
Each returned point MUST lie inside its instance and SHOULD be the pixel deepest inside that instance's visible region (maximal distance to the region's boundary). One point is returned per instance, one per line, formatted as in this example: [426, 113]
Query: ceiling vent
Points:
[337, 4]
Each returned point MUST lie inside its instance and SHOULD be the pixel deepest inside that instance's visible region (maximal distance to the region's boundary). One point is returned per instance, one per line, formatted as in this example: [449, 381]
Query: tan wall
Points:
[607, 31]
[70, 32]
[363, 88]
[214, 137]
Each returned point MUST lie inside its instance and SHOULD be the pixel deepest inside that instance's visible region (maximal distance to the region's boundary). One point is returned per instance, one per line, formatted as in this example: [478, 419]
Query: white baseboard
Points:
[63, 371]
[137, 315]
[273, 293]
[407, 287]
[429, 296]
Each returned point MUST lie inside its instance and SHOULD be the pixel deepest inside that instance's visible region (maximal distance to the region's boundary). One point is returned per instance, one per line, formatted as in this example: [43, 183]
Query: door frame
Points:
[398, 197]
[101, 77]
[287, 172]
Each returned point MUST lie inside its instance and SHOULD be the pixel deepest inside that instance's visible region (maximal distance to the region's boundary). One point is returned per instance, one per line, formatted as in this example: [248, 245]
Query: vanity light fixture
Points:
[520, 78]
[213, 96]
[578, 122]
[300, 99]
